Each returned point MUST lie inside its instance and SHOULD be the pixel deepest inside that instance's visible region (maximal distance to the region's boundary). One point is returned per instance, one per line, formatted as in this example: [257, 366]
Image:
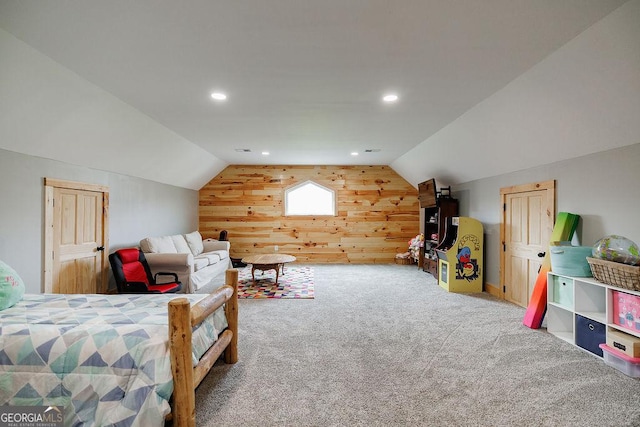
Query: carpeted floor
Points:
[383, 345]
[296, 282]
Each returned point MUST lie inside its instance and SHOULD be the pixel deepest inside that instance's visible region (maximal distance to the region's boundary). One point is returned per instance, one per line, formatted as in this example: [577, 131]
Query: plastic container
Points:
[627, 365]
[570, 260]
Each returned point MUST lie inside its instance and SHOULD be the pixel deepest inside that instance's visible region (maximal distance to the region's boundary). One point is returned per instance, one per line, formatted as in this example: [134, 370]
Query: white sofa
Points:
[194, 260]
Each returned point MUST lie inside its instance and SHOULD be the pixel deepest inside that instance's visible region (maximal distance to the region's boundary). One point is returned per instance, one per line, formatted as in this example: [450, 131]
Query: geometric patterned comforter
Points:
[105, 358]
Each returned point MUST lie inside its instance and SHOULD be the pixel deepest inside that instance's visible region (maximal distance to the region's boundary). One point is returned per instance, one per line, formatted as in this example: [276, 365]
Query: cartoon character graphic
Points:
[464, 255]
[467, 267]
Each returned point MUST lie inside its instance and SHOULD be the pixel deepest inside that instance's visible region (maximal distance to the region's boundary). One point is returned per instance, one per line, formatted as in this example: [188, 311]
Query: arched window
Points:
[309, 198]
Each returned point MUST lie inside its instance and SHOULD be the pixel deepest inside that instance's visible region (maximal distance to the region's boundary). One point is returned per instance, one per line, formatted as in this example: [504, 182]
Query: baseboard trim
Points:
[493, 290]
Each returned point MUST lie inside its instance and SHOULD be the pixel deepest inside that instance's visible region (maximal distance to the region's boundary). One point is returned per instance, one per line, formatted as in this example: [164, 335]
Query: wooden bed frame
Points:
[182, 319]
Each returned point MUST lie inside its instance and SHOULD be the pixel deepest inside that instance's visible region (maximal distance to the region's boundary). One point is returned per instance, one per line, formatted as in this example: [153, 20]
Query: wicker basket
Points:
[404, 261]
[615, 273]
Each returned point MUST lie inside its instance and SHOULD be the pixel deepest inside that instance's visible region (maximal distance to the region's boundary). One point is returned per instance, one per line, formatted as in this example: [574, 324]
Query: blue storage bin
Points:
[590, 334]
[570, 260]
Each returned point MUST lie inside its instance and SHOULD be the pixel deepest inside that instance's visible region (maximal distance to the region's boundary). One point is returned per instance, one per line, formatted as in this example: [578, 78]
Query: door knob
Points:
[541, 254]
[100, 248]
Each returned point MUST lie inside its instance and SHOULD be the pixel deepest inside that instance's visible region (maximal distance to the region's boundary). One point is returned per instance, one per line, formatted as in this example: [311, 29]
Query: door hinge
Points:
[504, 207]
[504, 247]
[504, 289]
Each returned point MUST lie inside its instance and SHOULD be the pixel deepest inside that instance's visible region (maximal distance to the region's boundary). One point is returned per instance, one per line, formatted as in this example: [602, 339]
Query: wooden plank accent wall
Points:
[378, 213]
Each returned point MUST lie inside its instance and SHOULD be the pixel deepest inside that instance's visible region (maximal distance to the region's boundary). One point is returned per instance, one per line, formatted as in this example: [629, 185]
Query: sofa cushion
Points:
[211, 258]
[194, 240]
[200, 263]
[222, 254]
[157, 245]
[181, 244]
[145, 245]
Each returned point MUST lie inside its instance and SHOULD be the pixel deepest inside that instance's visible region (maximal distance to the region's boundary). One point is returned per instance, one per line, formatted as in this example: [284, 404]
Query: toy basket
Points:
[615, 273]
[404, 261]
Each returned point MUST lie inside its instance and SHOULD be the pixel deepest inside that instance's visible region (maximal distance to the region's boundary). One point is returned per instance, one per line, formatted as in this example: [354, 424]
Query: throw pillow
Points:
[11, 286]
[158, 245]
[181, 244]
[194, 240]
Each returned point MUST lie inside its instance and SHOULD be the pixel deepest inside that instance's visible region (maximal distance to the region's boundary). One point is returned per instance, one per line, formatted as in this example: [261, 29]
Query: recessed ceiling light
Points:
[243, 150]
[219, 96]
[265, 153]
[354, 153]
[392, 97]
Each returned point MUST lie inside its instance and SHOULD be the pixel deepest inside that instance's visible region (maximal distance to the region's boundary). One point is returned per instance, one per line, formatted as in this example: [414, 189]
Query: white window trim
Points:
[304, 183]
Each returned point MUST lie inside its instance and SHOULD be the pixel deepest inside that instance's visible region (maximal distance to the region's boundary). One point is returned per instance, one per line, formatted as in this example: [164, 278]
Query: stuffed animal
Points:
[414, 246]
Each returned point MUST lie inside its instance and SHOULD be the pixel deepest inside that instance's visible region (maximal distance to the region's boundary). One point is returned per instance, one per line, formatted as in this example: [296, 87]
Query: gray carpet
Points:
[383, 345]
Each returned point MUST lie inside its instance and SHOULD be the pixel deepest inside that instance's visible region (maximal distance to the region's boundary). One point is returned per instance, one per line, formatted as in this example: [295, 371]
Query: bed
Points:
[127, 360]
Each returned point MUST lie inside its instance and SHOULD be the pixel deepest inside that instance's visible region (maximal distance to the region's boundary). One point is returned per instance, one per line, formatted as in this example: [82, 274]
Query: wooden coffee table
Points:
[264, 262]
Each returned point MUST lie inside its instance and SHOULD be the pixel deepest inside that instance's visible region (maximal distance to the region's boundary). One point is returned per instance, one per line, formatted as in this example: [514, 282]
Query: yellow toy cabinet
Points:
[460, 256]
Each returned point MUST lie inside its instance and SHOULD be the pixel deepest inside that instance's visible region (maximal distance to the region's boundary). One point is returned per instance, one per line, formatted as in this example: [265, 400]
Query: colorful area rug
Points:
[296, 283]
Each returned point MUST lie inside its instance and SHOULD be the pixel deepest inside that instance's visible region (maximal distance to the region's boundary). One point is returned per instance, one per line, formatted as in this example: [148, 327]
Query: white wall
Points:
[583, 98]
[48, 111]
[602, 188]
[137, 208]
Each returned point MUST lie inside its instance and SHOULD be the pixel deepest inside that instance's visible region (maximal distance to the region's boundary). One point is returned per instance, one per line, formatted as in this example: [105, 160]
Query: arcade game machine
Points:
[460, 256]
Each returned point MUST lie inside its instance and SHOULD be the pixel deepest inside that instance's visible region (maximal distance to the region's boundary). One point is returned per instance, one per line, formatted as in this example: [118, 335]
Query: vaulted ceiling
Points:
[304, 79]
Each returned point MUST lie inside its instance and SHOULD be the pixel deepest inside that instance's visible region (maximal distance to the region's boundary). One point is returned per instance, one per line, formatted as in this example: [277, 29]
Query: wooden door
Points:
[76, 242]
[529, 212]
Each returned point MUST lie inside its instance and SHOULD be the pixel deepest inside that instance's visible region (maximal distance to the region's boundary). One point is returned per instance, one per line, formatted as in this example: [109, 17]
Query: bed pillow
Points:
[11, 286]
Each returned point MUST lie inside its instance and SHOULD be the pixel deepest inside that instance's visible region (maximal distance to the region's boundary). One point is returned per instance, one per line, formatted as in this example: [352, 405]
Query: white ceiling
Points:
[304, 78]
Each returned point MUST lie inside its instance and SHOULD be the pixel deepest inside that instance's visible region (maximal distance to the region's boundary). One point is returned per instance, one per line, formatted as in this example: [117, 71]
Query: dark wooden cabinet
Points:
[435, 220]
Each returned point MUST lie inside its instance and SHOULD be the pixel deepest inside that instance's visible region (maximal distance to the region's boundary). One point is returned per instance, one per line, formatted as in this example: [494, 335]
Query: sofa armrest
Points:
[170, 262]
[215, 245]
